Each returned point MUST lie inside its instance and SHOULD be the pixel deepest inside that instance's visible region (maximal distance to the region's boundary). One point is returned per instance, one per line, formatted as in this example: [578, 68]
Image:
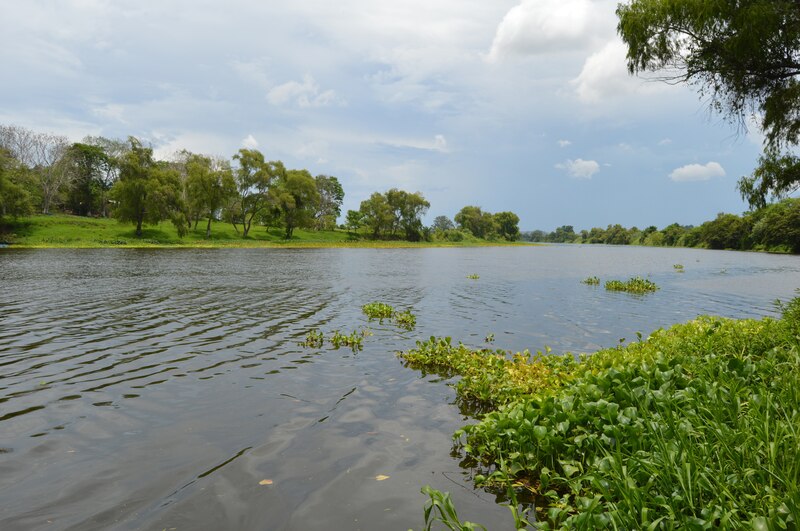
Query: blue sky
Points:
[521, 105]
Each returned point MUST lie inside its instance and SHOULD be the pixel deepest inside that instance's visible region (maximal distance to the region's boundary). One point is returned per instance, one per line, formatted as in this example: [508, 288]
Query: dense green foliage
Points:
[775, 227]
[697, 427]
[632, 285]
[744, 56]
[488, 226]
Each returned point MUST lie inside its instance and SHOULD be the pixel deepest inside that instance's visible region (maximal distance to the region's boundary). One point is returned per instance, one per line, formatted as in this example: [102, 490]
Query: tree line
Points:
[774, 227]
[104, 177]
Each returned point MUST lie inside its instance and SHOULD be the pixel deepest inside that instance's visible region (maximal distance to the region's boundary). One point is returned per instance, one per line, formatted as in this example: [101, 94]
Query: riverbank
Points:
[696, 426]
[63, 231]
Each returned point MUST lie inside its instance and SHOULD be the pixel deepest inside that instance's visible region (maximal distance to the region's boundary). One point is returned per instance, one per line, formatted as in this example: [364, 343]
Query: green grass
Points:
[697, 427]
[81, 232]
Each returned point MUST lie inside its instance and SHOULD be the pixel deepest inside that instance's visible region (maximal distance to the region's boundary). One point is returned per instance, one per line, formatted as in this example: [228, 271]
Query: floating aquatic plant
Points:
[377, 310]
[354, 341]
[405, 320]
[473, 276]
[592, 281]
[314, 339]
[633, 285]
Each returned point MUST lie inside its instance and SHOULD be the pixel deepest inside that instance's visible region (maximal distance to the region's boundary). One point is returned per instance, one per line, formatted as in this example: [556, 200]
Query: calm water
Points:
[148, 389]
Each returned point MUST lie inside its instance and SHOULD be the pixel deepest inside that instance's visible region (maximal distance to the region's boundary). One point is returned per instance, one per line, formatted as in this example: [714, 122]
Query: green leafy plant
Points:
[633, 285]
[405, 320]
[592, 281]
[473, 276]
[378, 310]
[355, 340]
[314, 339]
[678, 268]
[440, 508]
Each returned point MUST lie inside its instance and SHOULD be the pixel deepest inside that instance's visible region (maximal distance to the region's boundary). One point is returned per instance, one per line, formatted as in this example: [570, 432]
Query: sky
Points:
[520, 105]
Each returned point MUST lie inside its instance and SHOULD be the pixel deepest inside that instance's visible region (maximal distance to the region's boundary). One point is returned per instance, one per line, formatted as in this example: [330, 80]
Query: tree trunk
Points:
[208, 228]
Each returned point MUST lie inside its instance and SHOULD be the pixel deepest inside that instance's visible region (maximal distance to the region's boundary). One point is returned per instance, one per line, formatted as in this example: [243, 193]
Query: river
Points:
[167, 389]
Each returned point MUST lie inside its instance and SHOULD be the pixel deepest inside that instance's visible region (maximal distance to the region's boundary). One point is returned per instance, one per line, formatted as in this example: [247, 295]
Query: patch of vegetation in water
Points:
[473, 276]
[405, 320]
[678, 268]
[592, 281]
[633, 285]
[378, 310]
[355, 340]
[695, 427]
[314, 339]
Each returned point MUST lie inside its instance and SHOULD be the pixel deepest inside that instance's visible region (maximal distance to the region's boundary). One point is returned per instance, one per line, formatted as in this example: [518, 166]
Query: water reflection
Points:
[145, 389]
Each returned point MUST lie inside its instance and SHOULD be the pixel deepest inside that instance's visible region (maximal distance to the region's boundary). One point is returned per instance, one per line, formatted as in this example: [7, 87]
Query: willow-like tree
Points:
[209, 186]
[743, 55]
[297, 199]
[254, 177]
[331, 196]
[15, 201]
[146, 191]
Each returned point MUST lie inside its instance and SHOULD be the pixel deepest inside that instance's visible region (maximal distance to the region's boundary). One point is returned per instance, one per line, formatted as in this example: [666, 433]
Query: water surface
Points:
[152, 389]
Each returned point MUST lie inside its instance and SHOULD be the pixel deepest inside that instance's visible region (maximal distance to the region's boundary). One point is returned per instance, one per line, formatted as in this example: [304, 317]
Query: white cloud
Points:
[665, 142]
[303, 94]
[697, 172]
[604, 74]
[539, 26]
[249, 142]
[579, 168]
[564, 143]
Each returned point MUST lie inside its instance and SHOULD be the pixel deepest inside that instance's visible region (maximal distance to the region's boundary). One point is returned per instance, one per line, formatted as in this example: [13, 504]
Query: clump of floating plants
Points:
[355, 340]
[633, 285]
[381, 311]
[314, 339]
[678, 268]
[378, 310]
[592, 281]
[474, 276]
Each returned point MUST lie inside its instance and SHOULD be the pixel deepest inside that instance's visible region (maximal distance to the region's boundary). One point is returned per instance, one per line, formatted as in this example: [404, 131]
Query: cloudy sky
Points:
[521, 105]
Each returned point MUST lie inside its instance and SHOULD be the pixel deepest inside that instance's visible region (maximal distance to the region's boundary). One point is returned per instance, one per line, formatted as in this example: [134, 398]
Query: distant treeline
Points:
[775, 227]
[102, 177]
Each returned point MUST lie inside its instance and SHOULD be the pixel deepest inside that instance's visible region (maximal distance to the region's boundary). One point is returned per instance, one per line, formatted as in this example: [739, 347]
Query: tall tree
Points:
[14, 199]
[507, 225]
[442, 223]
[744, 55]
[331, 196]
[479, 223]
[146, 191]
[209, 185]
[377, 214]
[88, 166]
[297, 198]
[254, 177]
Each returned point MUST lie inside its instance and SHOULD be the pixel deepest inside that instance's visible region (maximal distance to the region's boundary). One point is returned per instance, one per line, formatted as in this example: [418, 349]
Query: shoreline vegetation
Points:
[695, 427]
[74, 232]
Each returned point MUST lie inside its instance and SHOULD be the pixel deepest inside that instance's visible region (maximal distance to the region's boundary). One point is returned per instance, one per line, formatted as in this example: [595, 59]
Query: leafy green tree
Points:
[407, 210]
[377, 215]
[88, 191]
[297, 199]
[15, 201]
[727, 231]
[254, 177]
[779, 225]
[442, 223]
[673, 234]
[209, 185]
[147, 192]
[744, 56]
[480, 224]
[354, 220]
[331, 197]
[507, 225]
[616, 235]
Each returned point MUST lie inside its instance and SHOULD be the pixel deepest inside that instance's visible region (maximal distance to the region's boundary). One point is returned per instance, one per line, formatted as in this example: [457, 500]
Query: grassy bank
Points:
[81, 232]
[696, 427]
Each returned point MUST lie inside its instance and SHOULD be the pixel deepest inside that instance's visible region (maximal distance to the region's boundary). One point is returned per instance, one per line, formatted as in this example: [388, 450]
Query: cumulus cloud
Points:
[303, 94]
[579, 168]
[697, 172]
[538, 26]
[604, 74]
[564, 143]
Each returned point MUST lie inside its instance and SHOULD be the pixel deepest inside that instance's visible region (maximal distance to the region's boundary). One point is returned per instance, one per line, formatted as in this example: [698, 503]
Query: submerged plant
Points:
[633, 285]
[592, 281]
[378, 310]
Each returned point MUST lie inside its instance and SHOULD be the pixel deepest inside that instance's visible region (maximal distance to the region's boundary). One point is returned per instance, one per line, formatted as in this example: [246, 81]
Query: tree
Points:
[297, 199]
[442, 223]
[775, 177]
[779, 224]
[507, 225]
[480, 224]
[377, 214]
[88, 166]
[743, 55]
[407, 210]
[14, 199]
[727, 231]
[354, 220]
[209, 185]
[331, 196]
[146, 192]
[253, 178]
